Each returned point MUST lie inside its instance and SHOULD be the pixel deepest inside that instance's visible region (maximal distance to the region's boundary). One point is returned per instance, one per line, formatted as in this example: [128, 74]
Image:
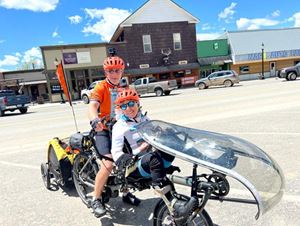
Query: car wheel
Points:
[201, 85]
[85, 99]
[1, 113]
[292, 76]
[159, 92]
[228, 83]
[23, 110]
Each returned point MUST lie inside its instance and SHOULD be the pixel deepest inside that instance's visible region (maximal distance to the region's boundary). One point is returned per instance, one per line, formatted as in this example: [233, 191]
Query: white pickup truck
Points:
[151, 85]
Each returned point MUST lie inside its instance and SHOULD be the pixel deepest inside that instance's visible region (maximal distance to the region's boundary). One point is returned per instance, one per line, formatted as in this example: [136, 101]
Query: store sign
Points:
[268, 55]
[70, 58]
[83, 57]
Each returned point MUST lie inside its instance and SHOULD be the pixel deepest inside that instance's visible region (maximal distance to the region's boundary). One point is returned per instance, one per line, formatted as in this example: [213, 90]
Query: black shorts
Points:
[103, 142]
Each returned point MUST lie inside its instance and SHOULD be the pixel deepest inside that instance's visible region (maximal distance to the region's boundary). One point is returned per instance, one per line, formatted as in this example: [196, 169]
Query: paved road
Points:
[263, 112]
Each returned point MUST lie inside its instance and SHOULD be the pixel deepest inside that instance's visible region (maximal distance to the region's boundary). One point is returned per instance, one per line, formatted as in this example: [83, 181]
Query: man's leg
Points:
[102, 176]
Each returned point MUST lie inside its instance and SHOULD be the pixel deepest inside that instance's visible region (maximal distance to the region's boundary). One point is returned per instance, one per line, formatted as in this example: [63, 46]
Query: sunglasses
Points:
[114, 71]
[129, 104]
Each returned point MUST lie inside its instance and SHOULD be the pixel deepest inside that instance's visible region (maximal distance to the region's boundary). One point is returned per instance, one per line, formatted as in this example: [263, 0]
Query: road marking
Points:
[20, 165]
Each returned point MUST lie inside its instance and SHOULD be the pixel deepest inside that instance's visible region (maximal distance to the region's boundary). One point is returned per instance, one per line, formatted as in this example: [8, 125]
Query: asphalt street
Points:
[264, 112]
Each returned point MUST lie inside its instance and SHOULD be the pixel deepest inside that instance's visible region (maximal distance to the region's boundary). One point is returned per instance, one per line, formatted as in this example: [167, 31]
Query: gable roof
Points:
[156, 11]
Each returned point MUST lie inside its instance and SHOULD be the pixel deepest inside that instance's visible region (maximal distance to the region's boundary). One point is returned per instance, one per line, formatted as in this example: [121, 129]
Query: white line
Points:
[20, 165]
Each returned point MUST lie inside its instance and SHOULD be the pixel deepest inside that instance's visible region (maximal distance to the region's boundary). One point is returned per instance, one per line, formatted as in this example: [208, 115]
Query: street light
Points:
[262, 61]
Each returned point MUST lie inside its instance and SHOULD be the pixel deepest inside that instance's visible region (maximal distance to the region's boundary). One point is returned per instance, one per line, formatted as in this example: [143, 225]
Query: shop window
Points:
[244, 69]
[179, 74]
[164, 76]
[147, 44]
[177, 41]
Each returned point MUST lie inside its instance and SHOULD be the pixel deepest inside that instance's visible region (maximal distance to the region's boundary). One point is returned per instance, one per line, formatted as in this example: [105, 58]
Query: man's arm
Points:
[93, 115]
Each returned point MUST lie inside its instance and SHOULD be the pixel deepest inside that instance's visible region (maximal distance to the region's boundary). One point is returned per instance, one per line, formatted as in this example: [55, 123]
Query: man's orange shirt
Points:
[105, 93]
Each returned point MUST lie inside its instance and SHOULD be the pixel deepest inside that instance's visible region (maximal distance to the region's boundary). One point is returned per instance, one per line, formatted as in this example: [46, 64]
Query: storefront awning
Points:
[33, 82]
[218, 60]
[163, 69]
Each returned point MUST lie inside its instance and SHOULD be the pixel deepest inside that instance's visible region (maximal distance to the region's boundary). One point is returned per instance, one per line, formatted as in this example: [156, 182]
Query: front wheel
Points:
[85, 99]
[23, 110]
[158, 92]
[84, 175]
[162, 217]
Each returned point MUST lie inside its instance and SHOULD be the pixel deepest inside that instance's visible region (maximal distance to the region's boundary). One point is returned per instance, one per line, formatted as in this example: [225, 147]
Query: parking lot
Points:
[264, 112]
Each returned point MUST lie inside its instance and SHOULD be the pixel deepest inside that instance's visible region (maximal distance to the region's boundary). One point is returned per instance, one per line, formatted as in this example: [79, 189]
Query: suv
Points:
[226, 78]
[85, 93]
[290, 73]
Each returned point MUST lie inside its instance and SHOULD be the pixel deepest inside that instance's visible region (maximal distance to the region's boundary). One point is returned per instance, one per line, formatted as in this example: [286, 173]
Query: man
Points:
[103, 97]
[151, 164]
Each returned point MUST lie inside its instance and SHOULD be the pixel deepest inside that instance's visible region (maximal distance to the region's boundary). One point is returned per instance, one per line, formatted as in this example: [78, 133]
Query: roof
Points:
[156, 11]
[164, 69]
[250, 41]
[67, 46]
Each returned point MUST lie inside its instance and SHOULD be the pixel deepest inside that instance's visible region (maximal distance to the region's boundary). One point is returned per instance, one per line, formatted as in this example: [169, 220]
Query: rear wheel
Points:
[85, 99]
[167, 93]
[23, 110]
[84, 174]
[1, 113]
[201, 85]
[158, 92]
[45, 175]
[162, 217]
[228, 83]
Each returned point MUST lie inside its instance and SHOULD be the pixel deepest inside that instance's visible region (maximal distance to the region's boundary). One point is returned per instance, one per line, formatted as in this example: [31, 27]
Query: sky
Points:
[25, 25]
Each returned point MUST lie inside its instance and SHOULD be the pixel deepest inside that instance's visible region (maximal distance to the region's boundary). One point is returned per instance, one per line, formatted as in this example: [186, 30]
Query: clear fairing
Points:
[227, 154]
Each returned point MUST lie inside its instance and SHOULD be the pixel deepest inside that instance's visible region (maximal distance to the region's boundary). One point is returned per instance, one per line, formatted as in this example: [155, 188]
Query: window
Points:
[138, 82]
[151, 80]
[147, 44]
[177, 41]
[244, 69]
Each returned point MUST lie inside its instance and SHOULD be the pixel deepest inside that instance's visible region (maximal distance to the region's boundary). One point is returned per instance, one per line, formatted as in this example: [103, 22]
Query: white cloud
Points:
[251, 24]
[205, 27]
[296, 19]
[227, 13]
[32, 5]
[208, 36]
[1, 41]
[32, 54]
[276, 13]
[75, 19]
[107, 21]
[9, 60]
[55, 34]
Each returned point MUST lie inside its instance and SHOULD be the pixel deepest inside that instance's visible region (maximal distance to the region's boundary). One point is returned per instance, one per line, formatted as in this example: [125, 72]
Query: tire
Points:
[45, 175]
[167, 93]
[85, 99]
[158, 92]
[23, 110]
[1, 113]
[87, 175]
[201, 85]
[292, 76]
[162, 217]
[228, 83]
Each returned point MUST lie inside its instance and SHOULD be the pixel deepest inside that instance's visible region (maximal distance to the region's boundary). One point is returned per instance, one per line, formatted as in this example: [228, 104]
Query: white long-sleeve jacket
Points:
[125, 128]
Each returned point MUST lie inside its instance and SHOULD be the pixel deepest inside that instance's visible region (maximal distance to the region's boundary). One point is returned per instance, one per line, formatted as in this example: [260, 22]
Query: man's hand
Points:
[96, 124]
[144, 146]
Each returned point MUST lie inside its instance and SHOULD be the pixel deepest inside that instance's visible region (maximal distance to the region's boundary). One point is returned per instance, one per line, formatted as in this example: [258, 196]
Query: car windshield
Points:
[235, 157]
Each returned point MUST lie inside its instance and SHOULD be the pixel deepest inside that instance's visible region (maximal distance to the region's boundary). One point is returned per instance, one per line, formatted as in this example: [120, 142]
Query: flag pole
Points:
[68, 94]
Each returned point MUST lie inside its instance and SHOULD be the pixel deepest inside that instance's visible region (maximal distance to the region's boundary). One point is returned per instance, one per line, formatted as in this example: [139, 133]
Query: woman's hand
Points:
[144, 146]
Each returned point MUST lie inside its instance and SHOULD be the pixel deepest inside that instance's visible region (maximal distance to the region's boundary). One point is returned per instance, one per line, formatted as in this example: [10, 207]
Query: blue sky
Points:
[27, 24]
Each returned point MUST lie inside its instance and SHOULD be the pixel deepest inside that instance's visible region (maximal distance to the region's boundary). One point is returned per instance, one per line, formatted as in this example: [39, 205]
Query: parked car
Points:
[9, 101]
[226, 78]
[290, 73]
[151, 85]
[85, 93]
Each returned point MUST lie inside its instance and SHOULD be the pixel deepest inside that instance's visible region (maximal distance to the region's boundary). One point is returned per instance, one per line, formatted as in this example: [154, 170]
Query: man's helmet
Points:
[114, 62]
[126, 95]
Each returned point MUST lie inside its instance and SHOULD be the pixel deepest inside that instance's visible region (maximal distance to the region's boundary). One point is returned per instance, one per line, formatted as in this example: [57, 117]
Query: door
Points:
[272, 69]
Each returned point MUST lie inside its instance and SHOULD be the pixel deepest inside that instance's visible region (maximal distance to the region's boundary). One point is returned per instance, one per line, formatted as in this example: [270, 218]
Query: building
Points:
[158, 40]
[213, 55]
[30, 82]
[82, 65]
[257, 52]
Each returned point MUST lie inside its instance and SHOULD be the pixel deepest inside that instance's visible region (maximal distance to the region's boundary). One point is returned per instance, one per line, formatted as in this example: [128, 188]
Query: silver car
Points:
[226, 78]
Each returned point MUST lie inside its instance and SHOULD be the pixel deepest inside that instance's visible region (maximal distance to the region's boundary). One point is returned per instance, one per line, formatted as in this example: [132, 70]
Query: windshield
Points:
[227, 154]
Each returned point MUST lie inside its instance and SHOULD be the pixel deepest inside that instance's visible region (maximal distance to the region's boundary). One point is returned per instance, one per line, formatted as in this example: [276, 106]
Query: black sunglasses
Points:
[129, 104]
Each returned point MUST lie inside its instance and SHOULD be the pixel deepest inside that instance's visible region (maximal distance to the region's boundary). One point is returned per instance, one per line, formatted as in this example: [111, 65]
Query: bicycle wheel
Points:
[162, 217]
[84, 174]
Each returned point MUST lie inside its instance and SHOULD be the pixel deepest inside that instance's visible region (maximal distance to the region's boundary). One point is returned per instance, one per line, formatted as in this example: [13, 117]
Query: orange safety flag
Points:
[62, 80]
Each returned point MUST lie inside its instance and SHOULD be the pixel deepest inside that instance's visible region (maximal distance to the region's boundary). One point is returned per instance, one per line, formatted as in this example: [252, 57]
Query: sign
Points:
[142, 66]
[188, 80]
[182, 62]
[70, 58]
[83, 57]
